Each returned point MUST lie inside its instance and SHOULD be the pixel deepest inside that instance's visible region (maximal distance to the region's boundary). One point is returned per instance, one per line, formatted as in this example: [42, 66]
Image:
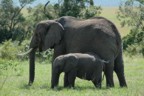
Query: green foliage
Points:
[6, 65]
[90, 12]
[35, 14]
[12, 20]
[9, 49]
[133, 43]
[78, 8]
[47, 55]
[131, 13]
[71, 8]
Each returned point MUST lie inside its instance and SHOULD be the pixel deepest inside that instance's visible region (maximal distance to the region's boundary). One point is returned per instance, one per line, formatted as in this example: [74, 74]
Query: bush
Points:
[9, 68]
[6, 65]
[45, 57]
[133, 43]
[90, 12]
[9, 49]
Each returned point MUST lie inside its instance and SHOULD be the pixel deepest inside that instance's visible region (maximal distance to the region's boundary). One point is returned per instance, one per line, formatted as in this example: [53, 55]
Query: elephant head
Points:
[47, 34]
[65, 62]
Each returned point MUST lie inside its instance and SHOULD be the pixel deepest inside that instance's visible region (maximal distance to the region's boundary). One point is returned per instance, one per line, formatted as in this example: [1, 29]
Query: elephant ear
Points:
[70, 63]
[54, 35]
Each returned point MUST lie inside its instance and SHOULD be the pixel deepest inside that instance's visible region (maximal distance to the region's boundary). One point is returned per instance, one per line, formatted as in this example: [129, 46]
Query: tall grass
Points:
[16, 85]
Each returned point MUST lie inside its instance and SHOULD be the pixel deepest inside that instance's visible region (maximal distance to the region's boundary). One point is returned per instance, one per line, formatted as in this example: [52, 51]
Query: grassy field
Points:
[16, 82]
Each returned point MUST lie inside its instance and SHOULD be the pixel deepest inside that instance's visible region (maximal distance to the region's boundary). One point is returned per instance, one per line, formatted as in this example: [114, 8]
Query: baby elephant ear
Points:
[70, 63]
[54, 35]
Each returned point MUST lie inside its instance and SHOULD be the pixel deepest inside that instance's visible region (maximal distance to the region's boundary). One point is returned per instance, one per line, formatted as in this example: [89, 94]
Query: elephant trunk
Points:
[31, 67]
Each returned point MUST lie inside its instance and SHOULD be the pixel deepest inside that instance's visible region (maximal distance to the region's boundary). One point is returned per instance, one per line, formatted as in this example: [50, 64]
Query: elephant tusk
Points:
[22, 54]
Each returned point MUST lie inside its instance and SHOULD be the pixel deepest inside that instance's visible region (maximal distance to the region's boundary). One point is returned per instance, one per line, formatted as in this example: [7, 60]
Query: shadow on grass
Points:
[45, 86]
[60, 88]
[34, 86]
[77, 88]
[89, 87]
[25, 86]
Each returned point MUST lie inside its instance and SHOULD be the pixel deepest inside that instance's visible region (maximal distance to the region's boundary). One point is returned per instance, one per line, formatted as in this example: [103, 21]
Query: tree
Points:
[76, 8]
[11, 20]
[131, 13]
[38, 13]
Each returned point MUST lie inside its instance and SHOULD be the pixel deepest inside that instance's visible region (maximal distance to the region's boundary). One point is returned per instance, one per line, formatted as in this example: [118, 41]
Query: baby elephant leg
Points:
[71, 78]
[96, 83]
[66, 83]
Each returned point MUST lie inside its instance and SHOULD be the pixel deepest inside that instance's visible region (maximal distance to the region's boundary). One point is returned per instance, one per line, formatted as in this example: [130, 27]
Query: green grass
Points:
[16, 83]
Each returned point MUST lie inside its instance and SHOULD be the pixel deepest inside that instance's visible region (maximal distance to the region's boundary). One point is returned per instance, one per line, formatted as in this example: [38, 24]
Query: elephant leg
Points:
[119, 69]
[97, 84]
[71, 78]
[97, 79]
[55, 79]
[66, 83]
[109, 75]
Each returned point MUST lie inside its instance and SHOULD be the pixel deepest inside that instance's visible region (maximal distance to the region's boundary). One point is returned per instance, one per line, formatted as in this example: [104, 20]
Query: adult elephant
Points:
[70, 35]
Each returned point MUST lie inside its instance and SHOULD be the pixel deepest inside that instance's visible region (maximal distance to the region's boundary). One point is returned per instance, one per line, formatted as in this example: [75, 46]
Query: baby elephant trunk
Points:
[103, 61]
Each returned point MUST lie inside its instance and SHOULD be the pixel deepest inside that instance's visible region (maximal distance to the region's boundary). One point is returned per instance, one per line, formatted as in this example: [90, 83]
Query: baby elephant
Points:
[86, 66]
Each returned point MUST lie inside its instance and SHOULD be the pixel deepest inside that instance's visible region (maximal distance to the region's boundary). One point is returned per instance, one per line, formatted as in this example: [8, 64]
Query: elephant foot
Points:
[123, 85]
[30, 83]
[70, 87]
[97, 84]
[122, 81]
[55, 88]
[66, 85]
[110, 85]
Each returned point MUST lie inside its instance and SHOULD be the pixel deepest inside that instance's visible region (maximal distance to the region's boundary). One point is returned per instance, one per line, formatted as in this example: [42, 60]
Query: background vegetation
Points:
[17, 23]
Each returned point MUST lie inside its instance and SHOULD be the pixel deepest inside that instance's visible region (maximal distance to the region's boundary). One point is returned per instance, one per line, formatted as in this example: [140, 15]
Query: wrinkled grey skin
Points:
[71, 35]
[85, 66]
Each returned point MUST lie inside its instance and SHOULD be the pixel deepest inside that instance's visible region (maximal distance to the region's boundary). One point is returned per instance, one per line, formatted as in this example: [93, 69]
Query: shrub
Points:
[6, 65]
[9, 68]
[133, 43]
[9, 49]
[45, 56]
